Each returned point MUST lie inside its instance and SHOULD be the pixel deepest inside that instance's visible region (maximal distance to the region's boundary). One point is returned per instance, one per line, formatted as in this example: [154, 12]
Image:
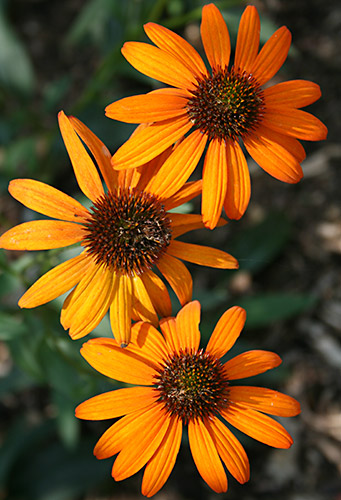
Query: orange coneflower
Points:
[124, 234]
[221, 108]
[183, 385]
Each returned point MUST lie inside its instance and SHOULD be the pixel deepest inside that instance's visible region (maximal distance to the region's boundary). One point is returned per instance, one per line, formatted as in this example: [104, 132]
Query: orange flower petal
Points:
[178, 276]
[158, 64]
[238, 182]
[120, 310]
[149, 341]
[100, 152]
[295, 94]
[203, 256]
[117, 363]
[265, 400]
[175, 45]
[147, 108]
[272, 56]
[55, 282]
[247, 39]
[136, 452]
[178, 167]
[162, 462]
[114, 404]
[251, 363]
[230, 450]
[183, 223]
[85, 171]
[41, 235]
[47, 200]
[189, 191]
[187, 326]
[295, 123]
[226, 331]
[205, 456]
[149, 142]
[258, 426]
[293, 146]
[142, 303]
[158, 293]
[170, 333]
[214, 183]
[215, 37]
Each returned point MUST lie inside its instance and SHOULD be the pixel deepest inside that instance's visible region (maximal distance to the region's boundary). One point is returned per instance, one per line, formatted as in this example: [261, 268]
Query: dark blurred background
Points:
[66, 55]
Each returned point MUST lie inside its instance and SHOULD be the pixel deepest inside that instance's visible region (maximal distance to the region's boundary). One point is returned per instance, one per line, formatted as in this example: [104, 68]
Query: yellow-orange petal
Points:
[247, 39]
[55, 282]
[41, 235]
[251, 363]
[114, 404]
[203, 256]
[117, 363]
[149, 341]
[158, 293]
[100, 152]
[146, 108]
[85, 171]
[136, 453]
[170, 333]
[238, 182]
[215, 37]
[205, 456]
[226, 331]
[178, 276]
[295, 94]
[214, 185]
[142, 303]
[272, 157]
[265, 400]
[291, 145]
[47, 200]
[158, 64]
[187, 326]
[230, 450]
[295, 123]
[120, 310]
[258, 426]
[178, 167]
[149, 142]
[183, 223]
[272, 56]
[162, 462]
[189, 191]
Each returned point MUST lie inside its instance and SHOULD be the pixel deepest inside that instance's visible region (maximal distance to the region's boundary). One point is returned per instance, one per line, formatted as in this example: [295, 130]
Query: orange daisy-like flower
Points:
[125, 233]
[221, 108]
[181, 384]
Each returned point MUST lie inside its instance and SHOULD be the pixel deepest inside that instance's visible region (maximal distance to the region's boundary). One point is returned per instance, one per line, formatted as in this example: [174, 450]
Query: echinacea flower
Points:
[221, 108]
[124, 234]
[180, 384]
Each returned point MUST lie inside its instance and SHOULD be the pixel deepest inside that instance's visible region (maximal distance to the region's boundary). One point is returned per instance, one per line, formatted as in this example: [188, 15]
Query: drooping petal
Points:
[120, 310]
[265, 400]
[85, 171]
[189, 191]
[215, 37]
[142, 303]
[149, 340]
[41, 235]
[178, 276]
[226, 331]
[214, 183]
[55, 282]
[272, 56]
[238, 182]
[187, 326]
[247, 39]
[158, 64]
[47, 200]
[230, 450]
[295, 123]
[170, 333]
[158, 293]
[294, 94]
[116, 403]
[204, 256]
[258, 426]
[149, 142]
[147, 108]
[177, 46]
[205, 456]
[162, 462]
[251, 363]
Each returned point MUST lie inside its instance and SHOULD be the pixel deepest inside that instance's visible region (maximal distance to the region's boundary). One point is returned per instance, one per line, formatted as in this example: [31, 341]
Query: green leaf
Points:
[67, 424]
[11, 327]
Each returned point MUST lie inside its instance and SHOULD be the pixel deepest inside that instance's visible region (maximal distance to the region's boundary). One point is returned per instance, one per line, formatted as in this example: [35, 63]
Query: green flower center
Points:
[127, 231]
